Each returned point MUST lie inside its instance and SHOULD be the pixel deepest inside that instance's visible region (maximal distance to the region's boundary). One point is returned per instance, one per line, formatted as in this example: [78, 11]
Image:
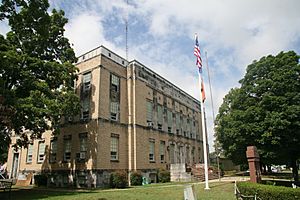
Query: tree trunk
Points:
[295, 170]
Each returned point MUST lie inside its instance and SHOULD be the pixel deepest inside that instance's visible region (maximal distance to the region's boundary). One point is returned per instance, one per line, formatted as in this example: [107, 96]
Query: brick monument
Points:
[254, 166]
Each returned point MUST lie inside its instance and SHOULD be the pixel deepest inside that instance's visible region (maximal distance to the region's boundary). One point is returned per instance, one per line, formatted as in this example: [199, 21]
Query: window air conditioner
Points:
[82, 155]
[150, 124]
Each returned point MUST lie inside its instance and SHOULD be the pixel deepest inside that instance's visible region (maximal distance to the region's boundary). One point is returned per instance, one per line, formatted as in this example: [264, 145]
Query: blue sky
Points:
[161, 36]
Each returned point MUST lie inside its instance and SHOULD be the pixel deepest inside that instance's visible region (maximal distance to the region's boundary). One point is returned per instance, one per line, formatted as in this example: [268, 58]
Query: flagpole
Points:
[203, 134]
[213, 112]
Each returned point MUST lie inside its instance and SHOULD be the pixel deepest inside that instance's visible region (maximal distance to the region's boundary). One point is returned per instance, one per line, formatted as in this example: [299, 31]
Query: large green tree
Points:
[264, 111]
[36, 70]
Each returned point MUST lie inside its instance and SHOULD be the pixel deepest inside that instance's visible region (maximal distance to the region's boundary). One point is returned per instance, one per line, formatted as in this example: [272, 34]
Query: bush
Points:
[136, 178]
[268, 192]
[163, 176]
[40, 180]
[118, 179]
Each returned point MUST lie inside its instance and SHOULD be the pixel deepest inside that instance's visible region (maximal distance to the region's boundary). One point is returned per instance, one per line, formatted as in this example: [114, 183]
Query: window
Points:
[114, 110]
[172, 153]
[85, 108]
[114, 147]
[187, 154]
[83, 142]
[199, 154]
[151, 150]
[41, 152]
[193, 154]
[162, 151]
[81, 155]
[169, 119]
[192, 124]
[177, 124]
[86, 82]
[85, 96]
[53, 150]
[114, 83]
[29, 153]
[188, 128]
[149, 112]
[67, 148]
[159, 117]
[114, 97]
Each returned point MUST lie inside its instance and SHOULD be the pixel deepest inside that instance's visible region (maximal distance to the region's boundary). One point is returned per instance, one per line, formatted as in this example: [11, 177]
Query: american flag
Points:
[198, 54]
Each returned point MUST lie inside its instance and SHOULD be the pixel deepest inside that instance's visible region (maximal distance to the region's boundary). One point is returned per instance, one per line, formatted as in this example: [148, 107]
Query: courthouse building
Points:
[131, 119]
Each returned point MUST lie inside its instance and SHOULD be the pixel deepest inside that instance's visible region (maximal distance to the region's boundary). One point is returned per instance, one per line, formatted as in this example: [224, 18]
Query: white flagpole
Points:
[203, 133]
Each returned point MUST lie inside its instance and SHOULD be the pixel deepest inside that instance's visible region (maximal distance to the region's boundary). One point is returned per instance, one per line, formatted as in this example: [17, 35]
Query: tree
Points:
[37, 72]
[264, 111]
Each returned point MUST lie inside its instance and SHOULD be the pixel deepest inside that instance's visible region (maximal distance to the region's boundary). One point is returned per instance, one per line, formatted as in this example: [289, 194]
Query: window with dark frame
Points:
[162, 151]
[114, 147]
[41, 152]
[114, 97]
[53, 150]
[67, 148]
[29, 153]
[152, 150]
[85, 95]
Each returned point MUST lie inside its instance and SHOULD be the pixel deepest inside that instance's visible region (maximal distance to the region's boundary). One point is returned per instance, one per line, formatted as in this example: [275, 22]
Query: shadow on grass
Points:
[220, 184]
[40, 193]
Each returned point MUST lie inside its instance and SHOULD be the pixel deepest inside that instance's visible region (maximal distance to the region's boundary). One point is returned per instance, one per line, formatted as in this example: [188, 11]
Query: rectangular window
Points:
[188, 128]
[172, 153]
[85, 96]
[67, 148]
[149, 112]
[29, 153]
[187, 155]
[184, 126]
[199, 154]
[115, 83]
[41, 152]
[114, 111]
[193, 154]
[151, 150]
[192, 125]
[83, 142]
[162, 151]
[178, 123]
[114, 147]
[159, 117]
[85, 108]
[86, 82]
[53, 150]
[170, 120]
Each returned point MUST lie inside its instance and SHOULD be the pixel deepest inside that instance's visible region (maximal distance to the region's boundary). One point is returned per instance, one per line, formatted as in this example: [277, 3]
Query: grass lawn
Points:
[219, 190]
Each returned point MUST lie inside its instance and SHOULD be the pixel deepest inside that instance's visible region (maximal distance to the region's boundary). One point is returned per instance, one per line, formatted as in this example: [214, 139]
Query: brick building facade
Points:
[131, 119]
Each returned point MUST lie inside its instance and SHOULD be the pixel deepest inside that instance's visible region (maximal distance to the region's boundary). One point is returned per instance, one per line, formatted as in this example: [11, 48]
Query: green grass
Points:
[218, 191]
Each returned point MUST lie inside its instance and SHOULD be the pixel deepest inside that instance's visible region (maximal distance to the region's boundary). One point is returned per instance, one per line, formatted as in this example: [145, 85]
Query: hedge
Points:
[268, 192]
[118, 179]
[40, 180]
[136, 178]
[163, 176]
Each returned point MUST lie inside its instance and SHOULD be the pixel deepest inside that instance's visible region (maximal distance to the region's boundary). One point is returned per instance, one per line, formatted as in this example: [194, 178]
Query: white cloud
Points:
[233, 32]
[4, 28]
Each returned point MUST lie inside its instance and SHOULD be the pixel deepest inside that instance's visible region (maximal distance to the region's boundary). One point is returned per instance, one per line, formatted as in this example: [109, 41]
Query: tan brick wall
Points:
[100, 128]
[104, 140]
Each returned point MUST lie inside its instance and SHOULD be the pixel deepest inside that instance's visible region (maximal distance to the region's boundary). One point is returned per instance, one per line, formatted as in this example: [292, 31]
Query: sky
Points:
[233, 33]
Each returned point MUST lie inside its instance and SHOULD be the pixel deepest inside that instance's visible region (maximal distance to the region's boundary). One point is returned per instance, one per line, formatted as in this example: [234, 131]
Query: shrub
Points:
[268, 192]
[163, 176]
[118, 179]
[136, 178]
[40, 180]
